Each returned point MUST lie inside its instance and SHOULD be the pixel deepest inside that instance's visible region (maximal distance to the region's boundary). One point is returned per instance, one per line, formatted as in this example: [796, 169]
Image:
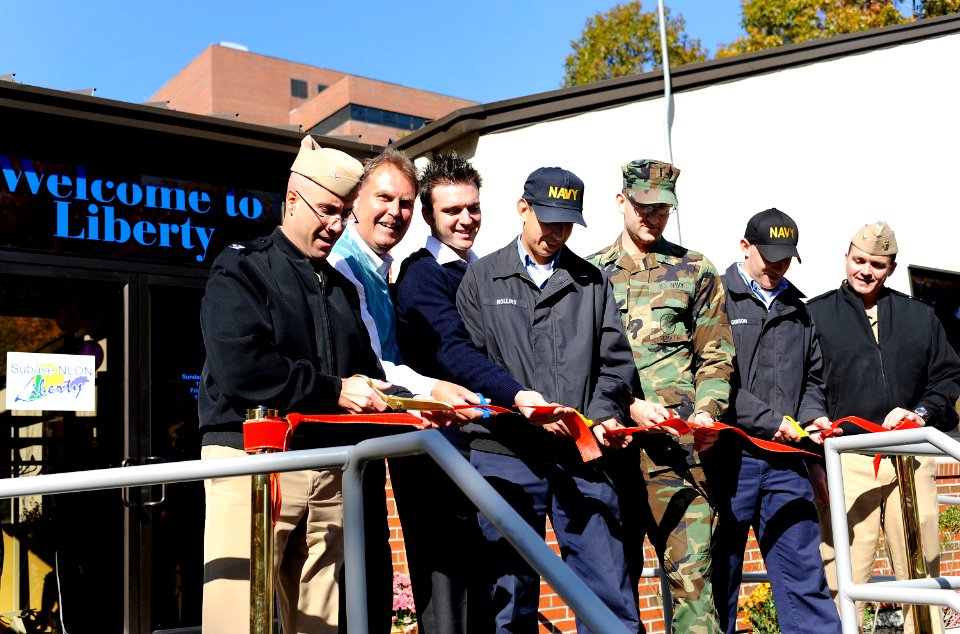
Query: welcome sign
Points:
[81, 209]
[52, 382]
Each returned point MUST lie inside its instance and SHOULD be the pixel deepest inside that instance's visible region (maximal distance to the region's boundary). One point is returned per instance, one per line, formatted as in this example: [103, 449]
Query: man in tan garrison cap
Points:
[885, 358]
[282, 329]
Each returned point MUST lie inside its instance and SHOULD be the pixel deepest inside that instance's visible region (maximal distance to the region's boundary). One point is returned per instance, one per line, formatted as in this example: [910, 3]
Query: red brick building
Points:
[228, 80]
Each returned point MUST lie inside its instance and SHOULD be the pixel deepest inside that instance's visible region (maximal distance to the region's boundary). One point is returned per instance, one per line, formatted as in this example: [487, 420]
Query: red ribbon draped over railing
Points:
[274, 433]
[864, 424]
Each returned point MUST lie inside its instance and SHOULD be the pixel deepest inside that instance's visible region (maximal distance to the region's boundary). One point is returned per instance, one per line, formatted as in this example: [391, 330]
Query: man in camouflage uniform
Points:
[672, 305]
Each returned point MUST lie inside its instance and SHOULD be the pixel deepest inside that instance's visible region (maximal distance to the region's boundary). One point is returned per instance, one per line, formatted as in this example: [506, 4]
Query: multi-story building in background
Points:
[227, 79]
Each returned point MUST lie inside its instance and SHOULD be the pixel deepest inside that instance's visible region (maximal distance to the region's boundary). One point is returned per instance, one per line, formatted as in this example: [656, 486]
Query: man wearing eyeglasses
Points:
[672, 306]
[283, 329]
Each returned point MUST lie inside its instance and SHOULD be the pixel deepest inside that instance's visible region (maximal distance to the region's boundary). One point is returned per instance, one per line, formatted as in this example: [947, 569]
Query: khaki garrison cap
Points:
[876, 239]
[335, 171]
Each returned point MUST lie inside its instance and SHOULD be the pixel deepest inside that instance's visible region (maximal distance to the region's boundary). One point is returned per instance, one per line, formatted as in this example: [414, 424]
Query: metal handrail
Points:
[528, 543]
[932, 591]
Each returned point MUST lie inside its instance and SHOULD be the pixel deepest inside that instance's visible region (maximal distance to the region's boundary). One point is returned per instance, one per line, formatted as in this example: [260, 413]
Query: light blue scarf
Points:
[379, 302]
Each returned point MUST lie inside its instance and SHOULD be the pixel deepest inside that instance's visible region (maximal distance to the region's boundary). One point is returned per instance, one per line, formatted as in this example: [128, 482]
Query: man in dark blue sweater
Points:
[432, 337]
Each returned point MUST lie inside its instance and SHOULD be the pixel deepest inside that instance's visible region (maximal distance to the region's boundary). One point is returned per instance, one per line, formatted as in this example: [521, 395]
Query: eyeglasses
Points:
[344, 216]
[662, 210]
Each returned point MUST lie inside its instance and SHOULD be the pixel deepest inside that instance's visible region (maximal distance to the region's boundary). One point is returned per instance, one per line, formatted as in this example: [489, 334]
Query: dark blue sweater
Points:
[433, 339]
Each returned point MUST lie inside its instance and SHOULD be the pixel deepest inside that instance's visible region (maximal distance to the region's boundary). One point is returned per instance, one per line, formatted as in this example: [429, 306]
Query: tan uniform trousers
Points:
[308, 551]
[874, 503]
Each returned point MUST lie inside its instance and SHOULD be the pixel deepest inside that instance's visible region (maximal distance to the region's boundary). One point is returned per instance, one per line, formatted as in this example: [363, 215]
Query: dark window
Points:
[321, 87]
[940, 289]
[376, 116]
[298, 88]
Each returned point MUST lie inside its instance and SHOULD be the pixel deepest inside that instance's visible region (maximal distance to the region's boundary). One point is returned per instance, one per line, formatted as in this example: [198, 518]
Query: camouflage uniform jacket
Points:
[673, 308]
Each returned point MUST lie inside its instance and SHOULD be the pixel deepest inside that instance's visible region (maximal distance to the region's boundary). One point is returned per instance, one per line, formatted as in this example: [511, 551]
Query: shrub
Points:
[760, 611]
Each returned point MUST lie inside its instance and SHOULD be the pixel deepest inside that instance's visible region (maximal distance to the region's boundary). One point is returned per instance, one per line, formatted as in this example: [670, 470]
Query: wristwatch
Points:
[922, 413]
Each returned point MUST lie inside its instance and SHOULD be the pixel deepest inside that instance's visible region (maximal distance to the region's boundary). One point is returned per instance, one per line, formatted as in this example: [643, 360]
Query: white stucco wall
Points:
[835, 144]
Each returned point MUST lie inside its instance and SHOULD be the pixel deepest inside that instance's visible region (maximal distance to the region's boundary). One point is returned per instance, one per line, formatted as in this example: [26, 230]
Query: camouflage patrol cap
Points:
[650, 182]
[876, 239]
[335, 171]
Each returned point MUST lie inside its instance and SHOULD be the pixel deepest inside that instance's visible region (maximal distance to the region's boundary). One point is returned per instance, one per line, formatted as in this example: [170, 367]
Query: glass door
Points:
[172, 533]
[63, 556]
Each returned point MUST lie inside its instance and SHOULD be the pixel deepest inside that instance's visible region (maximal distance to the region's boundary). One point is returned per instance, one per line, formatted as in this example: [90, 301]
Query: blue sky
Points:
[484, 50]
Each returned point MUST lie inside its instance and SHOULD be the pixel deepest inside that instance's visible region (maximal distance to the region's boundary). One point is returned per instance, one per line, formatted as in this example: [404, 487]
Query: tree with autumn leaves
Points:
[626, 39]
[773, 23]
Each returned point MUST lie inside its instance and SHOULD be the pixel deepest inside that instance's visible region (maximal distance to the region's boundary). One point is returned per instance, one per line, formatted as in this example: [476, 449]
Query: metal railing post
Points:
[355, 556]
[841, 538]
[261, 555]
[927, 591]
[666, 598]
[578, 596]
[912, 539]
[263, 420]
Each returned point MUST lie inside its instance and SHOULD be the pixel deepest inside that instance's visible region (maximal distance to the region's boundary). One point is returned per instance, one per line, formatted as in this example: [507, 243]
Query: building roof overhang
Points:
[566, 102]
[32, 102]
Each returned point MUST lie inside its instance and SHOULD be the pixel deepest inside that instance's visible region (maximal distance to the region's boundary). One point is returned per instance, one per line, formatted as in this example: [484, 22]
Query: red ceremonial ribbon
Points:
[274, 432]
[384, 418]
[276, 495]
[684, 427]
[579, 427]
[864, 424]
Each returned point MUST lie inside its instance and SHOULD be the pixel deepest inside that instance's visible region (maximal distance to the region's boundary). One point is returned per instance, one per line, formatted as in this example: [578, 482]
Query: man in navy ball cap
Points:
[549, 318]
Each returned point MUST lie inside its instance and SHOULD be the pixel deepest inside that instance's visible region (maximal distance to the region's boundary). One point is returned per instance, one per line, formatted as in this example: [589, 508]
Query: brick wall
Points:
[256, 87]
[557, 618]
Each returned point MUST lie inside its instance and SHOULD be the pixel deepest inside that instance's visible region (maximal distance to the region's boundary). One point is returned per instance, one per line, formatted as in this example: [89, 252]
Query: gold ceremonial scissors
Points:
[403, 403]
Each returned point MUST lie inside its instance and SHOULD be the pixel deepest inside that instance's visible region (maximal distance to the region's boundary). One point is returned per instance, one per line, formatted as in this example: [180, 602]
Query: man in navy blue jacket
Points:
[549, 318]
[778, 380]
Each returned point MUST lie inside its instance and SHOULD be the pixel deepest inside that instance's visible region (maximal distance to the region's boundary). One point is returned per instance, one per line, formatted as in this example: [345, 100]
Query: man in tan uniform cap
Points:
[885, 358]
[282, 329]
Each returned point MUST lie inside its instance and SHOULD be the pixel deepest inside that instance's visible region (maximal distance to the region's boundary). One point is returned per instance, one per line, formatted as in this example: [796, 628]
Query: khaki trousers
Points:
[874, 503]
[308, 550]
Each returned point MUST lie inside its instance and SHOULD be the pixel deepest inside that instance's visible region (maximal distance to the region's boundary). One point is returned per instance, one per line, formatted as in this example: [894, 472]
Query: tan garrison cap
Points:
[332, 169]
[876, 239]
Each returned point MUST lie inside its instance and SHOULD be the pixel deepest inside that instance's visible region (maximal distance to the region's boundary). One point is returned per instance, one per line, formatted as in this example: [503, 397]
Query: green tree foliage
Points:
[933, 8]
[626, 40]
[772, 23]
